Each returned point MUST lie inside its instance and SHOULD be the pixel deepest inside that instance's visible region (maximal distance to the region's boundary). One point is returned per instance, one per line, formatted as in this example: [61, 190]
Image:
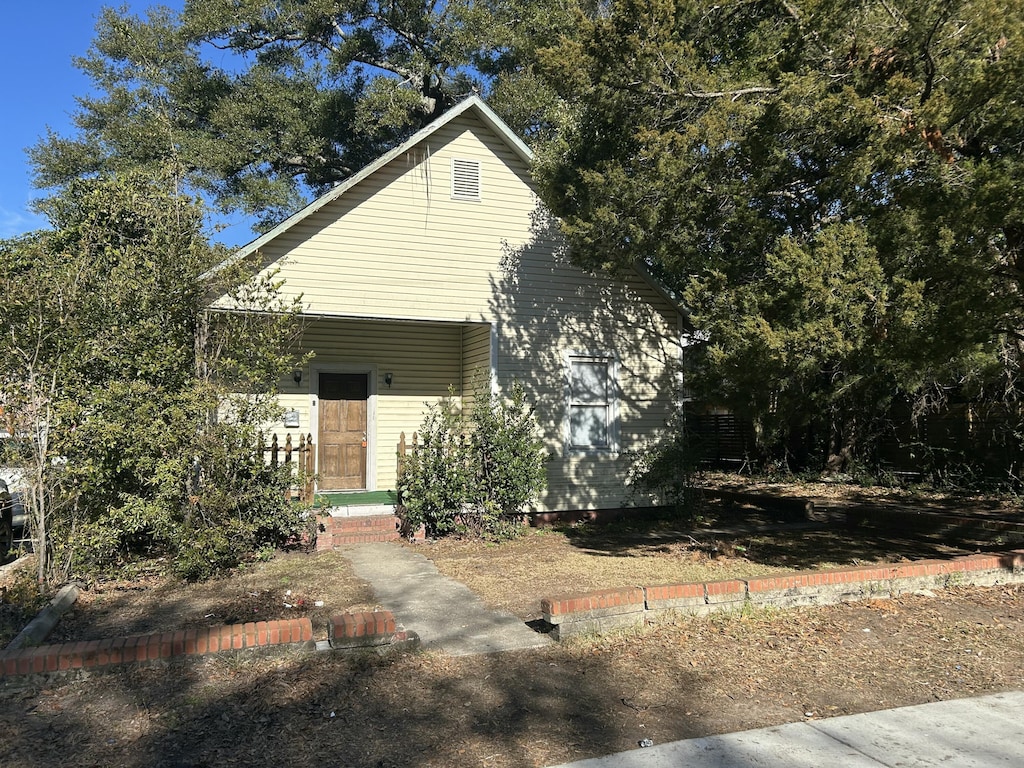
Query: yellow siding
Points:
[396, 245]
[548, 309]
[476, 360]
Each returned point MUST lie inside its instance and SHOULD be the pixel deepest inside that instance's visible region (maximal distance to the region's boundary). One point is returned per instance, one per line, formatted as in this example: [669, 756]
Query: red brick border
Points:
[602, 600]
[345, 631]
[364, 629]
[161, 645]
[597, 611]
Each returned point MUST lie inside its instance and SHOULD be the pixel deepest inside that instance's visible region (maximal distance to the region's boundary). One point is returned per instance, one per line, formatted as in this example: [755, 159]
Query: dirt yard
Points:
[670, 681]
[587, 697]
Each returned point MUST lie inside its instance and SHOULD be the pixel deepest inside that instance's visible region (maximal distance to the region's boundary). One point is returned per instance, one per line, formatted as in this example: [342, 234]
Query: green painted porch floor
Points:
[356, 498]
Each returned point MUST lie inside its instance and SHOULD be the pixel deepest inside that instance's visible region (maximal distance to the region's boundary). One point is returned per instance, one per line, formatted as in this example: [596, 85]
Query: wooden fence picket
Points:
[303, 457]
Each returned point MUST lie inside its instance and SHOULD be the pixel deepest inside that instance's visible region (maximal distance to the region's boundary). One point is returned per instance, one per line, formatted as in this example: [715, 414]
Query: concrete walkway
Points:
[984, 732]
[444, 613]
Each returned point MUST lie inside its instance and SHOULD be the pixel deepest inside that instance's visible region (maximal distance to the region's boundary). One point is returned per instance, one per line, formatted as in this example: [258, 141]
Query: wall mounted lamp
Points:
[297, 375]
[388, 378]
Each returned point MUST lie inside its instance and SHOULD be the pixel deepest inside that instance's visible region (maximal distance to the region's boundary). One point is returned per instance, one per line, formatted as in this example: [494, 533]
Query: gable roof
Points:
[473, 103]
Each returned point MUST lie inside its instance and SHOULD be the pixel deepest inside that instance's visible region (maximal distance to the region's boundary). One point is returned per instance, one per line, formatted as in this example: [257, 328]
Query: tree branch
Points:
[692, 94]
[797, 16]
[929, 62]
[897, 17]
[410, 37]
[731, 94]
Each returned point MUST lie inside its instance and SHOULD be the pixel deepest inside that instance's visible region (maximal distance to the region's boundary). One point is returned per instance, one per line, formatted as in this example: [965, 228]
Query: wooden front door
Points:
[342, 438]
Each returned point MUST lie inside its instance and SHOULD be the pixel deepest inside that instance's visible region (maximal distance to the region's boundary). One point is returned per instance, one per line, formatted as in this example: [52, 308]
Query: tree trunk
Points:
[842, 445]
[37, 494]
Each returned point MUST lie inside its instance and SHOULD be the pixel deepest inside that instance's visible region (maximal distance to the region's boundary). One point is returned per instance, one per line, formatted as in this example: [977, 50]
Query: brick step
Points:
[341, 531]
[341, 539]
[361, 524]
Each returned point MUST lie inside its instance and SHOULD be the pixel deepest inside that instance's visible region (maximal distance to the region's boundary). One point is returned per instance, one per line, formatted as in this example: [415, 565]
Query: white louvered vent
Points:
[465, 179]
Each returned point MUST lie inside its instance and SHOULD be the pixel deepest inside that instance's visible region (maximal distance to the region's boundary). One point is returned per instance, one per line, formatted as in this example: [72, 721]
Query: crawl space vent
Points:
[465, 179]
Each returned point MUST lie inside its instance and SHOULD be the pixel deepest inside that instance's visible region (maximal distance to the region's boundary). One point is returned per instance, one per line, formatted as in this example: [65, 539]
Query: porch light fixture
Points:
[388, 378]
[297, 376]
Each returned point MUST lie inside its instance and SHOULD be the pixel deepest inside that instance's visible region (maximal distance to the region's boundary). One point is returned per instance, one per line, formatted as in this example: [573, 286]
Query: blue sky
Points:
[38, 90]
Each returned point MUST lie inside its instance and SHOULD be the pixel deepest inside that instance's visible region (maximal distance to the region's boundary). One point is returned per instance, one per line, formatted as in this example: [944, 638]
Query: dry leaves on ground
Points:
[593, 696]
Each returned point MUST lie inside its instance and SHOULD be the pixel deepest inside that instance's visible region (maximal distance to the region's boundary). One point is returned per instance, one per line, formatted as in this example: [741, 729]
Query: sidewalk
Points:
[445, 614]
[965, 733]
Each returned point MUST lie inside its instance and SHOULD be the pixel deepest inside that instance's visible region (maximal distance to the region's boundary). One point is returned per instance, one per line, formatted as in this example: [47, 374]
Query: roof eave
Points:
[664, 291]
[474, 102]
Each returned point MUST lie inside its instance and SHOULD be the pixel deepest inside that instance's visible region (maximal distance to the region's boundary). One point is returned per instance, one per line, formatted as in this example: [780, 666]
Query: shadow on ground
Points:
[685, 678]
[325, 709]
[761, 536]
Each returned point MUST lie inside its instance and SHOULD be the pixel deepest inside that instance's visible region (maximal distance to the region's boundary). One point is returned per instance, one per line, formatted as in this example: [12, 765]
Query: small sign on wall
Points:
[291, 418]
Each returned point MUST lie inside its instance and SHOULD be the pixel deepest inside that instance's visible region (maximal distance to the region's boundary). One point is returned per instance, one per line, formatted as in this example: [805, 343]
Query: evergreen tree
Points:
[832, 185]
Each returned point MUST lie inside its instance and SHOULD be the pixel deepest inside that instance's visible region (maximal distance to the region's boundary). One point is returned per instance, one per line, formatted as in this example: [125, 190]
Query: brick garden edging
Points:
[155, 646]
[633, 606]
[346, 631]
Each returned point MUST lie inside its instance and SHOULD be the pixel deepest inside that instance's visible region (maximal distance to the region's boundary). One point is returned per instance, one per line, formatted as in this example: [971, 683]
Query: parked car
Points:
[12, 487]
[6, 520]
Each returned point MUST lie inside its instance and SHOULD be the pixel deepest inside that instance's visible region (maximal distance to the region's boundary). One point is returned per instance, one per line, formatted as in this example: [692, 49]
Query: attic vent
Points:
[465, 179]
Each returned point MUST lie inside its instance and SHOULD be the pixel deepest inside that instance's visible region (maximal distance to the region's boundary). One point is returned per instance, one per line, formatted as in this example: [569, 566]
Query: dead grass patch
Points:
[289, 585]
[514, 576]
[595, 696]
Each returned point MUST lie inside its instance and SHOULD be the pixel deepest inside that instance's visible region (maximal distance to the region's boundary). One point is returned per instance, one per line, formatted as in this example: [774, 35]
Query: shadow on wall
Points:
[423, 358]
[546, 308]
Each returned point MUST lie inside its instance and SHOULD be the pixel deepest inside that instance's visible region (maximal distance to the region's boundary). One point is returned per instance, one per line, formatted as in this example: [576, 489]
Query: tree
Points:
[832, 185]
[258, 103]
[109, 385]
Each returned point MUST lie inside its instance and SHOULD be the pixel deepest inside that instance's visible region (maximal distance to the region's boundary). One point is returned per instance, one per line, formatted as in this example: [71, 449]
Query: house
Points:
[437, 264]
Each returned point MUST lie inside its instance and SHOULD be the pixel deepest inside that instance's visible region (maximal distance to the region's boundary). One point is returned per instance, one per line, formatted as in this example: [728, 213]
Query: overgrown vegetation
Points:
[833, 188]
[666, 470]
[119, 387]
[473, 475]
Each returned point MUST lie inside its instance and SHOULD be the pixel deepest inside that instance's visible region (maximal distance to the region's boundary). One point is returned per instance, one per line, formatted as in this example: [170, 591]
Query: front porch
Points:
[369, 381]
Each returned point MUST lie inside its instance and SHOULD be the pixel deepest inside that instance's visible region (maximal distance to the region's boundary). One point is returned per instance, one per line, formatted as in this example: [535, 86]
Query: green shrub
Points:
[239, 506]
[476, 475]
[436, 477]
[509, 457]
